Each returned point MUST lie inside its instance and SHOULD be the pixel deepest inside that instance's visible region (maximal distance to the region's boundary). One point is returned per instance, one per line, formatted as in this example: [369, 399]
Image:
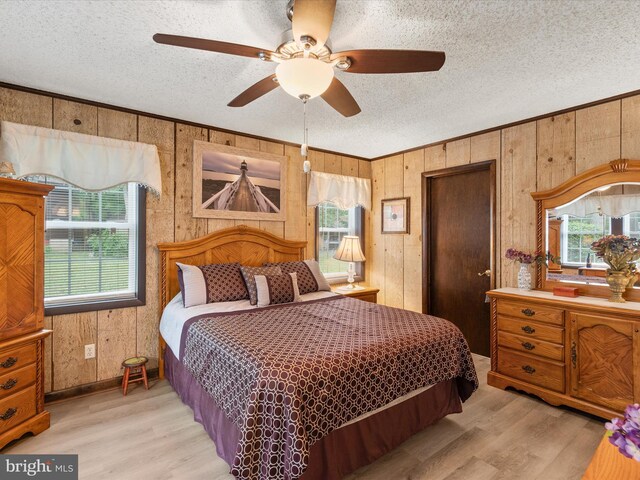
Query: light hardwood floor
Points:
[152, 435]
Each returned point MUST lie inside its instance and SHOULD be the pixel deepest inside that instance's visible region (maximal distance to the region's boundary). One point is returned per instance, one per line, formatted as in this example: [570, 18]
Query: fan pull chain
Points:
[304, 149]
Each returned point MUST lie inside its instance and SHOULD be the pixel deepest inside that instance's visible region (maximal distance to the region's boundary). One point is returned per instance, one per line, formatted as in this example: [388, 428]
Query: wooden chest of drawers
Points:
[582, 352]
[22, 309]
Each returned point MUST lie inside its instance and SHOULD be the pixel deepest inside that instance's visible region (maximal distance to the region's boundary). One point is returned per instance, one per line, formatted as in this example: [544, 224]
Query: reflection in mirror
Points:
[572, 228]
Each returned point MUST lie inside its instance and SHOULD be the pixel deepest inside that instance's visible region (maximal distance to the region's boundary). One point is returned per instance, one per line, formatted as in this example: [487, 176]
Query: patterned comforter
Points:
[288, 375]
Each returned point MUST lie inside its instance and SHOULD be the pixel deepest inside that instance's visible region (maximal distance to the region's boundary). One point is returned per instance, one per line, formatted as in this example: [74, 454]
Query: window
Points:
[333, 223]
[94, 248]
[632, 225]
[578, 233]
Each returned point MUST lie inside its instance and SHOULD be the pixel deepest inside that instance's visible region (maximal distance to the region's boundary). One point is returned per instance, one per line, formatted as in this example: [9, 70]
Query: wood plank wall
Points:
[532, 156]
[121, 333]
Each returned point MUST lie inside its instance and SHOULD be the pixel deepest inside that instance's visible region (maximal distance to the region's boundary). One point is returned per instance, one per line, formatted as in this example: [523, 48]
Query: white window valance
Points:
[86, 161]
[342, 191]
[611, 205]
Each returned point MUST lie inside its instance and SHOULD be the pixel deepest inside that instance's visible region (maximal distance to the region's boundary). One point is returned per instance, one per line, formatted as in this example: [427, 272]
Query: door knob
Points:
[486, 273]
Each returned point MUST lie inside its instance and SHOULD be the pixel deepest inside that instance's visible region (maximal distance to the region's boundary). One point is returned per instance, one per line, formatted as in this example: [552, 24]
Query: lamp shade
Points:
[349, 250]
[304, 76]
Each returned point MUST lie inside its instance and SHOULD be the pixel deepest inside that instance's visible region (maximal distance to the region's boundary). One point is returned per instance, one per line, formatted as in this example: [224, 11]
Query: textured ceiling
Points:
[506, 60]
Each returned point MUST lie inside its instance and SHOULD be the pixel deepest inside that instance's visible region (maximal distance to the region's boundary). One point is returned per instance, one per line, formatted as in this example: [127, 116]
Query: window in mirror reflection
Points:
[633, 228]
[578, 233]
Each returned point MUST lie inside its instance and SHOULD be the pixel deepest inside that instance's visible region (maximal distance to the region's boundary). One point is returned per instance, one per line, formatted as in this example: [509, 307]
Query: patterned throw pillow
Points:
[248, 273]
[218, 282]
[224, 282]
[274, 289]
[310, 278]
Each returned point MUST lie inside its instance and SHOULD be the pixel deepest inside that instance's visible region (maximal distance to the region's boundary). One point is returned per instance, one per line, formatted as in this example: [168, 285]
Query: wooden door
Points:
[601, 356]
[459, 206]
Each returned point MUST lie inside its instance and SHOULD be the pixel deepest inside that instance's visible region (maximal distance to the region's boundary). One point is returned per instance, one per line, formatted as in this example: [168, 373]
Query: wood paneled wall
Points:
[529, 157]
[121, 333]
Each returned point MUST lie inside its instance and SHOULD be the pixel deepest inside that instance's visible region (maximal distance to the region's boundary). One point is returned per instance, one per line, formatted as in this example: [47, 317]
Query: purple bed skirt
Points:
[342, 451]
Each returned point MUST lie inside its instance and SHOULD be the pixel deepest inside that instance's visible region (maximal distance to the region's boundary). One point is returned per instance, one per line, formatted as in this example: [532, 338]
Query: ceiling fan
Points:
[306, 63]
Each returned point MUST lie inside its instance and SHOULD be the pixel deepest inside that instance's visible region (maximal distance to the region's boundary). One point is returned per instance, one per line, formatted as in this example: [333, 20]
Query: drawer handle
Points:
[9, 362]
[8, 414]
[528, 312]
[528, 346]
[9, 384]
[574, 354]
[529, 369]
[528, 329]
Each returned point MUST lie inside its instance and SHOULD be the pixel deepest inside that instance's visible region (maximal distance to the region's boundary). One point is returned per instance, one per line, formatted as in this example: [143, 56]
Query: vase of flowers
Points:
[624, 433]
[524, 277]
[620, 253]
[525, 259]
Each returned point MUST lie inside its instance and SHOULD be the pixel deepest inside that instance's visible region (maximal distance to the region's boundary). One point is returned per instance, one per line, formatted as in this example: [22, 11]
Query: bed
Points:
[313, 389]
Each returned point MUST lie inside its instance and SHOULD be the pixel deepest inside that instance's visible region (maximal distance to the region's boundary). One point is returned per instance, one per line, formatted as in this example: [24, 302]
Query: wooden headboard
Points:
[246, 245]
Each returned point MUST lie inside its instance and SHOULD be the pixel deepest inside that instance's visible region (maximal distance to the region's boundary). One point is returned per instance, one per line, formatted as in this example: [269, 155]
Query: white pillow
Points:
[193, 285]
[320, 278]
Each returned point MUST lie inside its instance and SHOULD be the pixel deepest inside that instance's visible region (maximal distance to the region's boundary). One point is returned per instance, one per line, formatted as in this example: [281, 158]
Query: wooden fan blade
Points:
[339, 98]
[255, 91]
[212, 46]
[313, 18]
[392, 61]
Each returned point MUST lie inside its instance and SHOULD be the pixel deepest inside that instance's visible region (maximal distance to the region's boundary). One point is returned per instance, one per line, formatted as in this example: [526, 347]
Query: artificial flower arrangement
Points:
[528, 258]
[625, 433]
[618, 251]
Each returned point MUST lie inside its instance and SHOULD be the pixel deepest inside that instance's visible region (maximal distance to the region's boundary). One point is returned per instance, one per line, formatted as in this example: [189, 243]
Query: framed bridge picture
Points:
[233, 183]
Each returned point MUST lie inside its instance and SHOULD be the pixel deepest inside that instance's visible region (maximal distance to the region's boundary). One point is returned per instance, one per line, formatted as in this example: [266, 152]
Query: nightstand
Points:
[608, 462]
[367, 294]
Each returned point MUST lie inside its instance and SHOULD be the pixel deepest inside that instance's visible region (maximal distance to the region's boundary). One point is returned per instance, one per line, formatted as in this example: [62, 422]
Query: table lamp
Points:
[350, 251]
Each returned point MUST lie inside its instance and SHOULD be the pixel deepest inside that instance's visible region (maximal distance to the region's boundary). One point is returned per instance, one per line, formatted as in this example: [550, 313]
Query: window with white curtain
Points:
[94, 247]
[332, 224]
[578, 233]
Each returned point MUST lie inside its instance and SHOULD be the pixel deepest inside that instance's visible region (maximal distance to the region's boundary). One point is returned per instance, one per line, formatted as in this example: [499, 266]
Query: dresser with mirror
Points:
[583, 352]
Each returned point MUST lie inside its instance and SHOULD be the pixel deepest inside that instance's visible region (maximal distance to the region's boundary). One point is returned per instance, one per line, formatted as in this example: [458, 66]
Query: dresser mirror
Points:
[602, 201]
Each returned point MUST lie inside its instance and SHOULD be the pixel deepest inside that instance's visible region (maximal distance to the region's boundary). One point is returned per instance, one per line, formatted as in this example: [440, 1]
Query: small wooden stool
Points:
[137, 367]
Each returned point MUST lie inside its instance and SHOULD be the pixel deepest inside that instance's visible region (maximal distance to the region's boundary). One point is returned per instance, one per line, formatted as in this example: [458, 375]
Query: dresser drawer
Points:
[531, 346]
[530, 329]
[15, 358]
[17, 408]
[12, 382]
[530, 369]
[539, 313]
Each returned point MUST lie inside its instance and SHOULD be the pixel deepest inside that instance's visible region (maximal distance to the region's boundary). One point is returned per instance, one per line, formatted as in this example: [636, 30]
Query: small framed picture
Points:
[395, 215]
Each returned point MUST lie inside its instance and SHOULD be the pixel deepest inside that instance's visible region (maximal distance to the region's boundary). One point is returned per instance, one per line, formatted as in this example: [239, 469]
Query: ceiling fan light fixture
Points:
[306, 61]
[304, 77]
